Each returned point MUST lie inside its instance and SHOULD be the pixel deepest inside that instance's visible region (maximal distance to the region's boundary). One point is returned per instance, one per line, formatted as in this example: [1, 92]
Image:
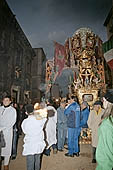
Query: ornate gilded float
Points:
[86, 54]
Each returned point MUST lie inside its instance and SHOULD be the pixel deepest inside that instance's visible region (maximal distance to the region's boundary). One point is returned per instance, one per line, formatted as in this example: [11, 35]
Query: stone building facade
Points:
[16, 55]
[38, 75]
[108, 48]
[109, 23]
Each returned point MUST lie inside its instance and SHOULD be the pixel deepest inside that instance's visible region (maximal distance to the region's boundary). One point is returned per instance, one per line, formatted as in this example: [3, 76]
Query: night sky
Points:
[45, 21]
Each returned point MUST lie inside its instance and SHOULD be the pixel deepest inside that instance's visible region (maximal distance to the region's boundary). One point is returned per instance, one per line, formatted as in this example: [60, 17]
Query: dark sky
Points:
[46, 20]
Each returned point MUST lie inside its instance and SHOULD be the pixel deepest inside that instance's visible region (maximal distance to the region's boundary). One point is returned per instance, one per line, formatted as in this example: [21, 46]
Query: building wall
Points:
[38, 75]
[107, 47]
[16, 55]
[110, 27]
[109, 23]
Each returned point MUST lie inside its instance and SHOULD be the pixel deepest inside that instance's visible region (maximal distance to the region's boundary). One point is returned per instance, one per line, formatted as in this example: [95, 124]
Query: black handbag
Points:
[2, 140]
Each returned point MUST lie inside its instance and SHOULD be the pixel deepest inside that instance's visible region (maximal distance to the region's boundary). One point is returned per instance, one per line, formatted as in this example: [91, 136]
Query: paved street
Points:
[57, 161]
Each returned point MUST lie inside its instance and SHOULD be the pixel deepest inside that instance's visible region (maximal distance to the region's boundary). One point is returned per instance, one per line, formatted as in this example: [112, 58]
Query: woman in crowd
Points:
[104, 152]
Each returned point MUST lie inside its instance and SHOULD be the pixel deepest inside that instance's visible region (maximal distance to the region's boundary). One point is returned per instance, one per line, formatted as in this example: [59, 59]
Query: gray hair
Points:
[85, 103]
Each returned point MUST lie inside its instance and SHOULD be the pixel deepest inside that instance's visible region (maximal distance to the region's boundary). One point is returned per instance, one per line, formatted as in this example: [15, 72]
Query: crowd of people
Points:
[47, 128]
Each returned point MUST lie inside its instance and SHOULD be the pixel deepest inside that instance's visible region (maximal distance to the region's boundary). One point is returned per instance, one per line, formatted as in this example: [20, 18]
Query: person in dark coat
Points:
[22, 116]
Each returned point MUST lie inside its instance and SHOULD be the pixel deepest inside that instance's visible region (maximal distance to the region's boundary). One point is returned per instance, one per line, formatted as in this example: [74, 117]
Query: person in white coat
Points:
[7, 121]
[34, 143]
[50, 130]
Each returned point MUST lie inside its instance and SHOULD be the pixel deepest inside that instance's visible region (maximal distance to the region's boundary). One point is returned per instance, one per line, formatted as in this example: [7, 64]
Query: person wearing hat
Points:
[93, 123]
[104, 152]
[34, 143]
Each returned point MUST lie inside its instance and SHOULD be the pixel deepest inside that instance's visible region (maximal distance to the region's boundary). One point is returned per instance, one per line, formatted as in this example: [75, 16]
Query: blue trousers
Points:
[33, 162]
[73, 140]
[62, 133]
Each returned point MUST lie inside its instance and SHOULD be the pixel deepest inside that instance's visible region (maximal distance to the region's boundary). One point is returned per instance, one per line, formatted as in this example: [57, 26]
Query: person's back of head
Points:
[29, 109]
[42, 105]
[84, 105]
[63, 102]
[74, 99]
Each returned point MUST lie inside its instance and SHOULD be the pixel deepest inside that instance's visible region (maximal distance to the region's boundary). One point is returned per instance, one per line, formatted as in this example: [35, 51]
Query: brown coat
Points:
[93, 123]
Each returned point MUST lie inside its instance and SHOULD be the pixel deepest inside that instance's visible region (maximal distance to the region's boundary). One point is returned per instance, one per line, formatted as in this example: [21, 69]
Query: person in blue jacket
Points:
[84, 114]
[73, 123]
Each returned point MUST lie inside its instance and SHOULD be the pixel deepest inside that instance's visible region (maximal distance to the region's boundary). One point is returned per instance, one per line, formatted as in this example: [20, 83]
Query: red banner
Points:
[59, 58]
